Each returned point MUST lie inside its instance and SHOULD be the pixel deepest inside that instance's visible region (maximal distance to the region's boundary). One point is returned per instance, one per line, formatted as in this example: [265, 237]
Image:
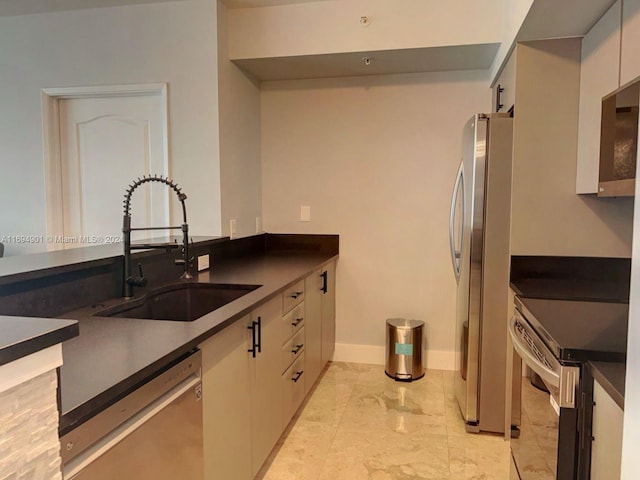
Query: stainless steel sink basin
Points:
[182, 302]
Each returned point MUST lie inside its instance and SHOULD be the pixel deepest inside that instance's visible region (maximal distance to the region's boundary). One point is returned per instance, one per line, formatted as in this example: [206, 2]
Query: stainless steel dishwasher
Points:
[155, 432]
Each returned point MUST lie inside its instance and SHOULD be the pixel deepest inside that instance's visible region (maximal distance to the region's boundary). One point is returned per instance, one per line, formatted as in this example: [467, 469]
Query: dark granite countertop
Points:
[113, 355]
[562, 289]
[580, 331]
[571, 278]
[22, 336]
[612, 377]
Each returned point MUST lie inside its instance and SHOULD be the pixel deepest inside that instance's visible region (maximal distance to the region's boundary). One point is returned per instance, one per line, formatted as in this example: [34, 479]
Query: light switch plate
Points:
[232, 228]
[203, 262]
[305, 213]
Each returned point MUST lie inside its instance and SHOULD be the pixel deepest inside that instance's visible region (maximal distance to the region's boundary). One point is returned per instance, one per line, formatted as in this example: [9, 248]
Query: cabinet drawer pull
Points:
[253, 348]
[325, 283]
[297, 322]
[259, 344]
[295, 295]
[298, 375]
[297, 349]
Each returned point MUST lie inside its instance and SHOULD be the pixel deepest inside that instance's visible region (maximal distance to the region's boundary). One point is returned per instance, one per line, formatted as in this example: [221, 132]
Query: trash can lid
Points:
[404, 324]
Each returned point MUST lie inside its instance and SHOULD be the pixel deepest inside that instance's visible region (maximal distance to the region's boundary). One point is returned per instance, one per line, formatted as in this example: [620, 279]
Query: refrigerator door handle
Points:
[456, 255]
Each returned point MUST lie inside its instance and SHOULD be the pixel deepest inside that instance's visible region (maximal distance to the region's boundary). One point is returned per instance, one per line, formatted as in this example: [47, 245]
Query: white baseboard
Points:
[374, 354]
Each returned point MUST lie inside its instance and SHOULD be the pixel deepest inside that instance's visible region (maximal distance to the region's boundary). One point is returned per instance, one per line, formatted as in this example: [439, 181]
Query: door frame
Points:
[50, 100]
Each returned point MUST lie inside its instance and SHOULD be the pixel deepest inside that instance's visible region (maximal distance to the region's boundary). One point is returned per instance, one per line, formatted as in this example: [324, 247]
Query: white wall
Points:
[334, 26]
[375, 158]
[239, 121]
[513, 14]
[173, 42]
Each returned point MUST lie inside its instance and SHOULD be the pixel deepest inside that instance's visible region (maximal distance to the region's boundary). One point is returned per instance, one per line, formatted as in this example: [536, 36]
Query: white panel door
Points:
[106, 143]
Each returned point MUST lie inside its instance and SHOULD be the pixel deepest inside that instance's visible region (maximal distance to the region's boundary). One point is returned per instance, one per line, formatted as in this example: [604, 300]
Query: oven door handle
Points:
[563, 380]
[548, 375]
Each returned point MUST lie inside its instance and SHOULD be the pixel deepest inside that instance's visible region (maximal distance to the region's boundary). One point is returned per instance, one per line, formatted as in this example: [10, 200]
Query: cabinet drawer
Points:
[293, 388]
[292, 322]
[292, 349]
[292, 296]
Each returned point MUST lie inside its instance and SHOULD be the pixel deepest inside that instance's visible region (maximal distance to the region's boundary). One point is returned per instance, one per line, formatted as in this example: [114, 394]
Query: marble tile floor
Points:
[359, 424]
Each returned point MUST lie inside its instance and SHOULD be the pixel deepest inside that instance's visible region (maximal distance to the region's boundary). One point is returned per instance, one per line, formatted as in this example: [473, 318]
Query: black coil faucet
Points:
[129, 280]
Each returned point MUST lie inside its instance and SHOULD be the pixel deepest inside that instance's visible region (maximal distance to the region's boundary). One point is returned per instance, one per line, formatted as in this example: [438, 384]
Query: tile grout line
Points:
[335, 433]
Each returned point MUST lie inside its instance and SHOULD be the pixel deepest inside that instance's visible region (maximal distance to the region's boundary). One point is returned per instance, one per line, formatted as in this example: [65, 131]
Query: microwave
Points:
[619, 141]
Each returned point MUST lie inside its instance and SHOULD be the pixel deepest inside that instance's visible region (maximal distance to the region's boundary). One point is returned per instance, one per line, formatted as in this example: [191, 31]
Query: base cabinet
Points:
[258, 371]
[265, 373]
[328, 312]
[606, 449]
[226, 407]
[293, 388]
[313, 326]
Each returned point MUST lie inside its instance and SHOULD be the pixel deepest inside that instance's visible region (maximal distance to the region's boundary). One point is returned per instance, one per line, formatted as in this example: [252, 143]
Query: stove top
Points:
[579, 330]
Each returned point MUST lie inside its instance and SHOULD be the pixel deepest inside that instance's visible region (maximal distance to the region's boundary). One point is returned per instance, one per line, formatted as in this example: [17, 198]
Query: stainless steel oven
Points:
[556, 338]
[155, 432]
[547, 444]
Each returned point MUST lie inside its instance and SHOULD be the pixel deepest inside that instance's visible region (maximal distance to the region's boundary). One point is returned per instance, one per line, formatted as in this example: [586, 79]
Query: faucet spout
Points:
[129, 280]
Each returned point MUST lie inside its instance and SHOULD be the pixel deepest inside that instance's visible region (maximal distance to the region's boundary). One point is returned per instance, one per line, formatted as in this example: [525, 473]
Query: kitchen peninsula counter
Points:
[23, 336]
[21, 268]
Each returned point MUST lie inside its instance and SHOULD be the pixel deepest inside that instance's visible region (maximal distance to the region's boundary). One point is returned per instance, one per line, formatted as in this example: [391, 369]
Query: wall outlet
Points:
[258, 224]
[232, 228]
[203, 262]
[305, 213]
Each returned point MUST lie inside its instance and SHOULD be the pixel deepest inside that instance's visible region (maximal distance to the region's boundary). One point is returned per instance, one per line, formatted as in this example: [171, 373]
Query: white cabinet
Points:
[293, 391]
[313, 326]
[226, 408]
[265, 373]
[294, 345]
[257, 372]
[599, 72]
[320, 320]
[630, 53]
[606, 449]
[328, 311]
[610, 59]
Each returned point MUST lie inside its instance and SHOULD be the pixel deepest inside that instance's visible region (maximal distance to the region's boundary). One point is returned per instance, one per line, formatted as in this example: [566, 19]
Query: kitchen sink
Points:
[182, 302]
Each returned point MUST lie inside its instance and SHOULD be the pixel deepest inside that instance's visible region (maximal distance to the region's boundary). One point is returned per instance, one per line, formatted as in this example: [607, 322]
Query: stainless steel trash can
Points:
[405, 354]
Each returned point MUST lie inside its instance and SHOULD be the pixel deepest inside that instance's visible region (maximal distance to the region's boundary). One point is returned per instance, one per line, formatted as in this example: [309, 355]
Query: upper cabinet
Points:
[504, 90]
[599, 72]
[610, 59]
[363, 37]
[630, 54]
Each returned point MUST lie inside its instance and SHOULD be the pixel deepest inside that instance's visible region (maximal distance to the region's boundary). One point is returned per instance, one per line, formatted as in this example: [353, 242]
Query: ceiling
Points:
[568, 18]
[24, 7]
[262, 3]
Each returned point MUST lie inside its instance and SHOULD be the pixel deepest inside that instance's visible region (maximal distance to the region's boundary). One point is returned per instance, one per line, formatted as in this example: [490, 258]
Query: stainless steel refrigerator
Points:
[479, 230]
